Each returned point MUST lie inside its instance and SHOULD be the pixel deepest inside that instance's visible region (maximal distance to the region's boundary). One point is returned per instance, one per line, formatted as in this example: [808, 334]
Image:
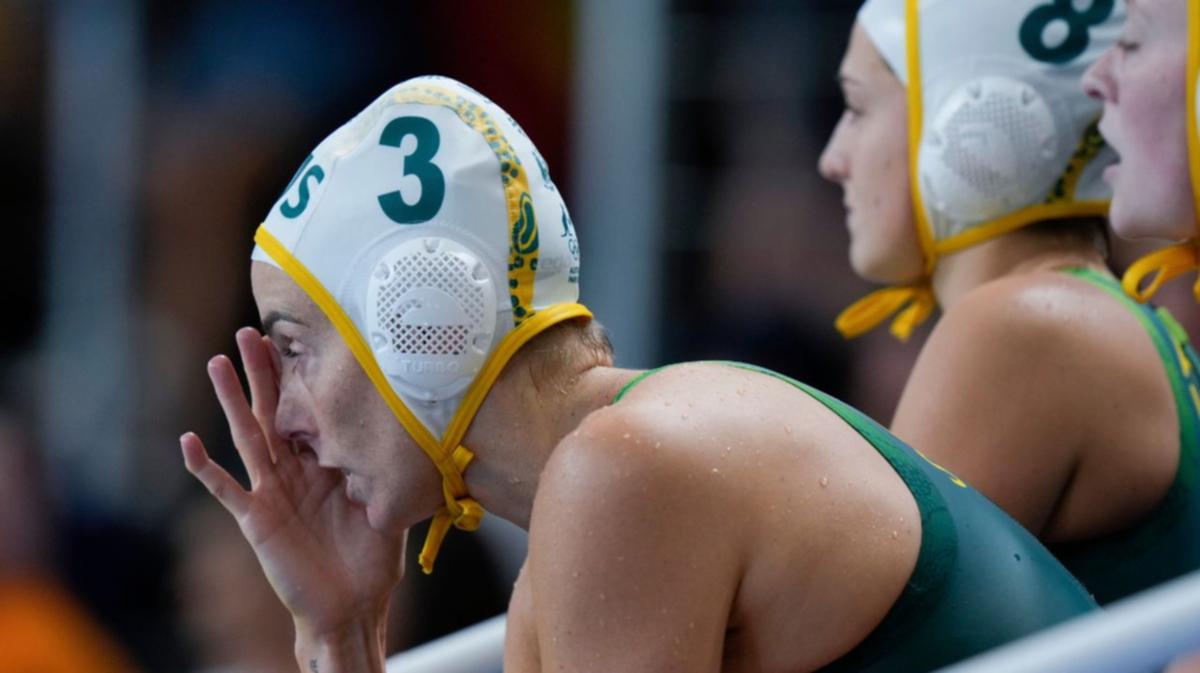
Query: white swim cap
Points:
[1163, 265]
[429, 232]
[1001, 133]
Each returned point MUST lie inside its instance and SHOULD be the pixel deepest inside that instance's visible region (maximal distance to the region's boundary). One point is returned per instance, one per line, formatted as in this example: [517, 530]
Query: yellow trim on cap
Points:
[522, 224]
[1193, 122]
[1039, 213]
[476, 394]
[915, 303]
[349, 333]
[916, 120]
[448, 455]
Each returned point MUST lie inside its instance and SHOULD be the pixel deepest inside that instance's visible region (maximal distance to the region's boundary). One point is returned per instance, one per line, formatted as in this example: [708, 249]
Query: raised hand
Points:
[328, 566]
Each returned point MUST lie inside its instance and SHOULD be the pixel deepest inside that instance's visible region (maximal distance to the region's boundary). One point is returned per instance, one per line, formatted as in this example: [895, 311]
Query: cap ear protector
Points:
[989, 151]
[431, 316]
[1001, 134]
[1163, 265]
[415, 229]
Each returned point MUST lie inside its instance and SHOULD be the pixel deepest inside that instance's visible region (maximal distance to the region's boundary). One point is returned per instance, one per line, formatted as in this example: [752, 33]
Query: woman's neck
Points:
[1016, 253]
[519, 426]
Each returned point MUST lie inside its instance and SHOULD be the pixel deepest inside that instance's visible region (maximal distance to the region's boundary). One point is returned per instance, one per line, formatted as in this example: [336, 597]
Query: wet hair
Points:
[561, 352]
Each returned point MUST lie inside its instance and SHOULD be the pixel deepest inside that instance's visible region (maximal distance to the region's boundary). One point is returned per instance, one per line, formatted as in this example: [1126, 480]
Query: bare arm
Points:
[616, 575]
[993, 399]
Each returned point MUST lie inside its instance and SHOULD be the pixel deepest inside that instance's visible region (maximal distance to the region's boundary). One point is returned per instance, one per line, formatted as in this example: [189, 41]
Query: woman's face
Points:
[327, 403]
[868, 157]
[1143, 84]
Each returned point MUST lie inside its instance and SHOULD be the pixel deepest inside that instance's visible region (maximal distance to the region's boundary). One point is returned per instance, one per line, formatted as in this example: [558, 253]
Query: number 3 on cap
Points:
[1033, 29]
[418, 164]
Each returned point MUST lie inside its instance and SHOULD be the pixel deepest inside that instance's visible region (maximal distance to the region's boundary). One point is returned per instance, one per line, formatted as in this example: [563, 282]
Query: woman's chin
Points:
[378, 518]
[1149, 224]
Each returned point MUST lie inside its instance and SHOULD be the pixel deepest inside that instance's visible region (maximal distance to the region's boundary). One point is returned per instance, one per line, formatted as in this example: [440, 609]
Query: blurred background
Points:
[142, 142]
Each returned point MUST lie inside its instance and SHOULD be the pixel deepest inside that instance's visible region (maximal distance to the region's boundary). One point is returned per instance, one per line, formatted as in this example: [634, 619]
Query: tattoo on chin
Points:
[312, 665]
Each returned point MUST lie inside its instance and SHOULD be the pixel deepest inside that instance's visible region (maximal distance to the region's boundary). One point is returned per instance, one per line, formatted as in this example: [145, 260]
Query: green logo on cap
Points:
[289, 210]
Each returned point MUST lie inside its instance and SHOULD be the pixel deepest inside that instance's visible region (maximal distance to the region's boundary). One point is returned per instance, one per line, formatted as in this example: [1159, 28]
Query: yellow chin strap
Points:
[915, 303]
[448, 455]
[912, 306]
[1163, 265]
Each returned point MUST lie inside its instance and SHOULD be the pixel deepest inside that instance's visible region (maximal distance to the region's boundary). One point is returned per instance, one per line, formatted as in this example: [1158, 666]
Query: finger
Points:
[248, 436]
[283, 452]
[264, 388]
[223, 487]
[270, 349]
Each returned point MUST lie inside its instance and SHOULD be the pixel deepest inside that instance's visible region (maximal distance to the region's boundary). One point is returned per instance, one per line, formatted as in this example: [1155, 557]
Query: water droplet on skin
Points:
[824, 482]
[692, 625]
[603, 597]
[620, 559]
[683, 416]
[666, 403]
[657, 444]
[895, 535]
[575, 574]
[625, 436]
[787, 429]
[741, 392]
[716, 471]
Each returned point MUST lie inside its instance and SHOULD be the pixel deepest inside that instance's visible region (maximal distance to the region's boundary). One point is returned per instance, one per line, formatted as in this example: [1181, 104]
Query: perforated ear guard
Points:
[431, 316]
[420, 232]
[991, 148]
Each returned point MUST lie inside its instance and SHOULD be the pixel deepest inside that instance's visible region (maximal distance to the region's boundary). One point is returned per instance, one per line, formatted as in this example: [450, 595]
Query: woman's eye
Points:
[1126, 45]
[286, 350]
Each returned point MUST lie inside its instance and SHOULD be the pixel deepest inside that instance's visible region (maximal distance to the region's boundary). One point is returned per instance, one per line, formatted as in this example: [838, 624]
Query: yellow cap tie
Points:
[460, 510]
[914, 303]
[463, 512]
[1161, 266]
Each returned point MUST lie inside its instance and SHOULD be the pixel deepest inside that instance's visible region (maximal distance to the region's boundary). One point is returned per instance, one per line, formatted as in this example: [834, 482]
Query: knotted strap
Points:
[913, 304]
[463, 512]
[460, 510]
[1161, 266]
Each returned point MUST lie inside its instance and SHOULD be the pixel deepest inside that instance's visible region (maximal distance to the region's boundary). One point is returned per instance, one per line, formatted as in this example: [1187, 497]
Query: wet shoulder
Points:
[692, 437]
[1044, 316]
